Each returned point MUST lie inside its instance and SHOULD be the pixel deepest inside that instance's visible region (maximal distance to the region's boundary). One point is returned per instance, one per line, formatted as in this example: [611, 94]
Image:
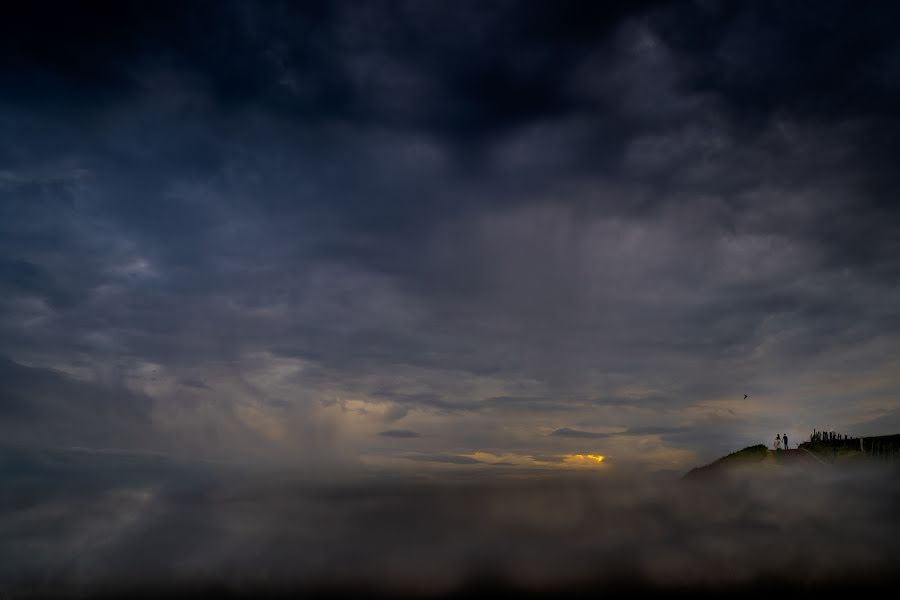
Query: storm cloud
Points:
[414, 296]
[274, 231]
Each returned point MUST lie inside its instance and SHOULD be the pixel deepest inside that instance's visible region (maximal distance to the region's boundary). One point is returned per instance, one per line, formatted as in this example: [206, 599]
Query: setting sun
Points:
[582, 459]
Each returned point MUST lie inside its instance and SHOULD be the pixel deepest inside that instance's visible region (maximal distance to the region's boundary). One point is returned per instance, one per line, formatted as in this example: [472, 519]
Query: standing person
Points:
[784, 439]
[778, 441]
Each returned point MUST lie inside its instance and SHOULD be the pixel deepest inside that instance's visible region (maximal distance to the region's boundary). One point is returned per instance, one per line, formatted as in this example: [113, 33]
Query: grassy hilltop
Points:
[748, 456]
[883, 450]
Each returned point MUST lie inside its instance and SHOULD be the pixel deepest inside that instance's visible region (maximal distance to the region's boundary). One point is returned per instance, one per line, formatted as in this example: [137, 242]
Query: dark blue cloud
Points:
[444, 458]
[617, 216]
[575, 433]
[399, 433]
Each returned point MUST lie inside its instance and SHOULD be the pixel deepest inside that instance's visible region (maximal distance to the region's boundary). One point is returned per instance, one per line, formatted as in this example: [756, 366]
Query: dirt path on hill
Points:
[801, 458]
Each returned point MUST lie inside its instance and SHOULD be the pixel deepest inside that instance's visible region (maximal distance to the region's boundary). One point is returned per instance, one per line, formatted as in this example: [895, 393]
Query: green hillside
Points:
[883, 450]
[748, 456]
[878, 449]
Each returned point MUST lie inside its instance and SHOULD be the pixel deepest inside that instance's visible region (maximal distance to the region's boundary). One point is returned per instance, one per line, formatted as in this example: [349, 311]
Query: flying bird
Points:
[745, 396]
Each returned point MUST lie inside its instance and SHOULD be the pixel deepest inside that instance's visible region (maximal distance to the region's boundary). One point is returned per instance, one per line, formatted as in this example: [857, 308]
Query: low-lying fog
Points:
[65, 529]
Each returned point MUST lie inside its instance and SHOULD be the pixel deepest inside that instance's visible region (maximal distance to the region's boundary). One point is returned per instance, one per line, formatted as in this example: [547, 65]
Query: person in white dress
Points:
[778, 441]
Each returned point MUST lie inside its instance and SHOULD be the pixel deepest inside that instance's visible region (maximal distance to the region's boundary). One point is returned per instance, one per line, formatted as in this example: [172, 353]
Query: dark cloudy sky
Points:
[436, 236]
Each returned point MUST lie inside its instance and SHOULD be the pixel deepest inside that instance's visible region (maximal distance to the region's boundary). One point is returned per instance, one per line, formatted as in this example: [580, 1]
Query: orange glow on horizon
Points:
[584, 458]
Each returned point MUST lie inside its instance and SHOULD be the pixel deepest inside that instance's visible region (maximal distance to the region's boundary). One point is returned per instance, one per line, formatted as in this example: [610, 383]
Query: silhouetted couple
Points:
[781, 441]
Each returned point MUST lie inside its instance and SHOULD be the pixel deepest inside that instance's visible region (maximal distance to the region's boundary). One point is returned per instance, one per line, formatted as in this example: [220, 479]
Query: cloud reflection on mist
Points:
[433, 536]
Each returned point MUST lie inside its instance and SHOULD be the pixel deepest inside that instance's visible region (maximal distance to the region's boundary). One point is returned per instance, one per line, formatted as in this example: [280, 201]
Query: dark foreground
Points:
[860, 587]
[159, 531]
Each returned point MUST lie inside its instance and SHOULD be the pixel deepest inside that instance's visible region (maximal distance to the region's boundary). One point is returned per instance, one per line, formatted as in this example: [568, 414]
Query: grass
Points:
[837, 452]
[749, 455]
[847, 452]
